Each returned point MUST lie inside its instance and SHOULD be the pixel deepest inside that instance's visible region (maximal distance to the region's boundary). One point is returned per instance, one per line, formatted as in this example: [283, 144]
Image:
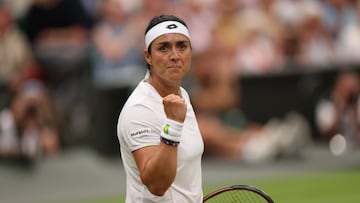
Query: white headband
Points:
[166, 27]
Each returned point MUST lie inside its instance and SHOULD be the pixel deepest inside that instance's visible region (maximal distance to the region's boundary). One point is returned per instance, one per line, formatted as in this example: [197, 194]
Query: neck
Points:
[164, 88]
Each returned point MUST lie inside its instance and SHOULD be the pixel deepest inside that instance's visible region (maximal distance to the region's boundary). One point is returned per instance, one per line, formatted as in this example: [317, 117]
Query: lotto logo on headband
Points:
[172, 26]
[166, 27]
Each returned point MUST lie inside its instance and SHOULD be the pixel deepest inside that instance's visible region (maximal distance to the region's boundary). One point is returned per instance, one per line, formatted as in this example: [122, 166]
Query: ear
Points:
[147, 57]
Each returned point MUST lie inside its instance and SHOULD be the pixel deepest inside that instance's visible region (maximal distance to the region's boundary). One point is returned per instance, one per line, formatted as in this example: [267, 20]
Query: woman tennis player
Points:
[160, 141]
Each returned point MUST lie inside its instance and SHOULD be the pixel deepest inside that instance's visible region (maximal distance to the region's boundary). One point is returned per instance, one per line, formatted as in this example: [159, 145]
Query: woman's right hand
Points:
[175, 107]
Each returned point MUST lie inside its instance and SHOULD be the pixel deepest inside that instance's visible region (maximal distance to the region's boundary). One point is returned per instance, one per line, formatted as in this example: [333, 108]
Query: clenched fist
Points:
[175, 107]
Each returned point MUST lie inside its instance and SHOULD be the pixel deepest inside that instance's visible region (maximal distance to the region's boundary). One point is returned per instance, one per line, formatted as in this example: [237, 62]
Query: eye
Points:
[182, 46]
[163, 48]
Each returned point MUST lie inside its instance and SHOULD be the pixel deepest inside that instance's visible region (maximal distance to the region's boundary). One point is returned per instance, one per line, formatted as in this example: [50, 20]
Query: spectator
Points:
[348, 41]
[339, 111]
[337, 14]
[116, 52]
[59, 34]
[201, 16]
[253, 143]
[288, 15]
[17, 8]
[213, 74]
[226, 131]
[28, 127]
[227, 31]
[15, 51]
[316, 46]
[142, 10]
[259, 50]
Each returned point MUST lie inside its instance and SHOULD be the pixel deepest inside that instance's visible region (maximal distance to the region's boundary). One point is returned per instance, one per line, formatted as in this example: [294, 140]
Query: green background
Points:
[333, 186]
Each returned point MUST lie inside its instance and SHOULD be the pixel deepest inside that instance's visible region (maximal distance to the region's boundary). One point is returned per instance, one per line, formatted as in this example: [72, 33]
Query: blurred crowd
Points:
[52, 52]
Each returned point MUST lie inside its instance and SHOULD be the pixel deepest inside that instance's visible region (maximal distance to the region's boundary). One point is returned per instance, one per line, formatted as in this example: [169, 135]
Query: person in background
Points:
[15, 51]
[316, 45]
[59, 33]
[338, 14]
[339, 112]
[201, 16]
[28, 127]
[227, 133]
[348, 41]
[116, 58]
[160, 141]
[260, 49]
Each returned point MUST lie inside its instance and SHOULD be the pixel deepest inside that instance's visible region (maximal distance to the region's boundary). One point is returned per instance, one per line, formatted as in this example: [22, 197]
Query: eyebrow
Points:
[177, 42]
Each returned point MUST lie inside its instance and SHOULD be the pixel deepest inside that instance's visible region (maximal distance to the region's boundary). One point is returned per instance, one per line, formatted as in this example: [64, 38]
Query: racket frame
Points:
[239, 187]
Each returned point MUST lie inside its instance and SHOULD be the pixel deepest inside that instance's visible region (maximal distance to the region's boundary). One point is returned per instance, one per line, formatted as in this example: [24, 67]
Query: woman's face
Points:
[170, 57]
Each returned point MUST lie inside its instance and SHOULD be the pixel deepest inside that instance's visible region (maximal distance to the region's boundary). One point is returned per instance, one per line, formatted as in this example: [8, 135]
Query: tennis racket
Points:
[238, 194]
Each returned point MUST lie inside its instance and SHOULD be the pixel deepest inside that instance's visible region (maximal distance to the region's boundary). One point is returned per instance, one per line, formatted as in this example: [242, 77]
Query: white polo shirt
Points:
[139, 125]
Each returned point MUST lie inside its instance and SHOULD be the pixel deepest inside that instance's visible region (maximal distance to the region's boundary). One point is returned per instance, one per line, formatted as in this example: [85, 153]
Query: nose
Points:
[174, 54]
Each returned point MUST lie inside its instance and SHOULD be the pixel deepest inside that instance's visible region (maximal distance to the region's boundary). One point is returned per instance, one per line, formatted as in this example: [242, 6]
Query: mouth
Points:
[174, 67]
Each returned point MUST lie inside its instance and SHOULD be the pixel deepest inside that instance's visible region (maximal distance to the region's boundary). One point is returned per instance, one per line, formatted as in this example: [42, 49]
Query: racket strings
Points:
[237, 196]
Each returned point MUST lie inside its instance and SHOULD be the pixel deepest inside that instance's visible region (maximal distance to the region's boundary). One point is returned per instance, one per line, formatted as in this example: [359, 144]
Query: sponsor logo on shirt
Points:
[140, 132]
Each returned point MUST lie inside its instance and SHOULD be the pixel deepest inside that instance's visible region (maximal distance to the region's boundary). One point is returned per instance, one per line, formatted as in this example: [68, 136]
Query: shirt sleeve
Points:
[140, 127]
